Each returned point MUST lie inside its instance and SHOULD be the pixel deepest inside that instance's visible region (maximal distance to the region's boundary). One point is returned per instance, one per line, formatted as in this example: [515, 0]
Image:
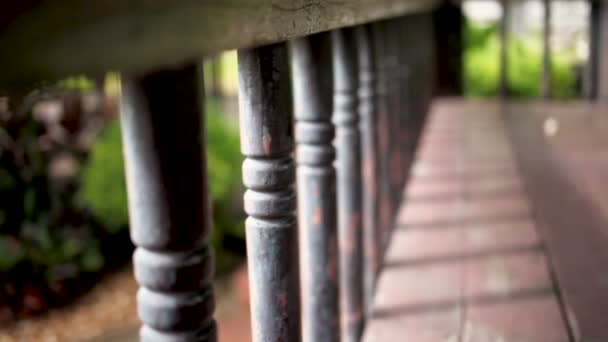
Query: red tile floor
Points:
[465, 262]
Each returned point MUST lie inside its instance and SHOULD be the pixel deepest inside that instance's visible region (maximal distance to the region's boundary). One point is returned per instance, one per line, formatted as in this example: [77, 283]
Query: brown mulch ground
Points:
[108, 313]
[109, 305]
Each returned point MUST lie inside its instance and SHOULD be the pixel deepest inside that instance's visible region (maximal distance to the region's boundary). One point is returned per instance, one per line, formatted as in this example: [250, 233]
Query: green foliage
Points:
[47, 240]
[482, 68]
[103, 187]
[12, 253]
[478, 36]
[77, 83]
[103, 182]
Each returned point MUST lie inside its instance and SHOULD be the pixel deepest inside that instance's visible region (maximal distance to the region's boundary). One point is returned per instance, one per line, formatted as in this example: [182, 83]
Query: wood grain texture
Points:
[169, 205]
[47, 39]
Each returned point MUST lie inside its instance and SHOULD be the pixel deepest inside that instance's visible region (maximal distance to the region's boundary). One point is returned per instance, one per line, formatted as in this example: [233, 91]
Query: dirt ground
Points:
[108, 313]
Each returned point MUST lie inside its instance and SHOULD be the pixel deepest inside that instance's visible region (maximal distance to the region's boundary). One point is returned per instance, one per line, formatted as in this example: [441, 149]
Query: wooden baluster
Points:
[268, 173]
[396, 113]
[418, 31]
[316, 179]
[348, 148]
[546, 80]
[383, 132]
[162, 131]
[601, 51]
[370, 161]
[593, 67]
[407, 122]
[504, 54]
[448, 38]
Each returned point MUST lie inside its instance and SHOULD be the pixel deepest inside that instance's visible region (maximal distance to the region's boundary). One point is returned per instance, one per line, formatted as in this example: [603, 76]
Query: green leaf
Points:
[11, 253]
[71, 247]
[92, 260]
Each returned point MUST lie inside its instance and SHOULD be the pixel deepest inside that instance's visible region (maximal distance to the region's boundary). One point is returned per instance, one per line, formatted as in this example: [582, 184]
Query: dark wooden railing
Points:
[333, 95]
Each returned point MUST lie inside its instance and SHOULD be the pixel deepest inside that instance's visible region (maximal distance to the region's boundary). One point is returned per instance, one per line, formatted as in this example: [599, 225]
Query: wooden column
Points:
[348, 148]
[546, 80]
[396, 115]
[268, 174]
[316, 179]
[600, 50]
[449, 42]
[408, 120]
[504, 54]
[370, 161]
[383, 130]
[162, 131]
[217, 91]
[593, 63]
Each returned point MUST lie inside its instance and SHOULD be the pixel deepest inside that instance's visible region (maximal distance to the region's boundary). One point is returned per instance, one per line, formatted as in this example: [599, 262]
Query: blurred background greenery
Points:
[482, 68]
[63, 205]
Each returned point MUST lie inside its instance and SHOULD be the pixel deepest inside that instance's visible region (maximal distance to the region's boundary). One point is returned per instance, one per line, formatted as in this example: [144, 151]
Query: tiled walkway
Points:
[465, 262]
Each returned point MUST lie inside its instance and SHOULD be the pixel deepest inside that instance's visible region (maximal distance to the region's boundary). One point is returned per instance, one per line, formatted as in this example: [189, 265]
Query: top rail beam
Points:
[44, 40]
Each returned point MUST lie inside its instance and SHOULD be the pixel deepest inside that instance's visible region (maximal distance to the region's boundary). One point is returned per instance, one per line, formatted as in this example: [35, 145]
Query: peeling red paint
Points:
[266, 140]
[355, 316]
[282, 300]
[354, 223]
[331, 269]
[317, 216]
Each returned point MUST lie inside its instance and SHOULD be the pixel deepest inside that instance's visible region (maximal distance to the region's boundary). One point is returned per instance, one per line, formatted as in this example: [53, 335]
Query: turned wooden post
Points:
[316, 180]
[598, 69]
[369, 159]
[504, 53]
[348, 148]
[546, 80]
[592, 69]
[407, 122]
[383, 130]
[395, 115]
[268, 174]
[162, 131]
[448, 39]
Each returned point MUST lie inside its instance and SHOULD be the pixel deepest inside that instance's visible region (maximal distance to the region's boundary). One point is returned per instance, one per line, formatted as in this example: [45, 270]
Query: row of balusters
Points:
[328, 128]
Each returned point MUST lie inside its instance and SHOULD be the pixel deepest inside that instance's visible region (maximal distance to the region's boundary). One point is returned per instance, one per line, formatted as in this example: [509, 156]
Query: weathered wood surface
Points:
[270, 200]
[369, 158]
[504, 45]
[383, 128]
[47, 39]
[348, 165]
[591, 75]
[169, 205]
[600, 50]
[546, 82]
[316, 183]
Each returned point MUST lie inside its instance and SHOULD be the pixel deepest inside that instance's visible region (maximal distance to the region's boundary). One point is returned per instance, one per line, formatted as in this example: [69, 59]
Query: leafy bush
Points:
[482, 66]
[103, 187]
[48, 242]
[103, 182]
